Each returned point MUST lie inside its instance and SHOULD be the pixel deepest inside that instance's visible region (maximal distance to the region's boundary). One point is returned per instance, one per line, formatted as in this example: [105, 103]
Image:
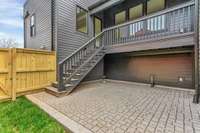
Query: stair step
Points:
[65, 78]
[68, 73]
[74, 79]
[55, 84]
[75, 66]
[78, 74]
[54, 91]
[68, 85]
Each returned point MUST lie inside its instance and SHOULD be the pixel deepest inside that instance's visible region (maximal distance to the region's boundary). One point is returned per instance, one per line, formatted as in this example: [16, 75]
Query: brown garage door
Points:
[168, 69]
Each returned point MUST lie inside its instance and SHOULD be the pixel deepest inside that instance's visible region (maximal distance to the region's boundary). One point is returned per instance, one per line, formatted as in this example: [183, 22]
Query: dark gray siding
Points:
[199, 41]
[166, 68]
[68, 39]
[97, 72]
[42, 11]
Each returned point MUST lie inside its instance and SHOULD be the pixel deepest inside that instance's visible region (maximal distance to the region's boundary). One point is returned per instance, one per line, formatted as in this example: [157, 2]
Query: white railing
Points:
[177, 20]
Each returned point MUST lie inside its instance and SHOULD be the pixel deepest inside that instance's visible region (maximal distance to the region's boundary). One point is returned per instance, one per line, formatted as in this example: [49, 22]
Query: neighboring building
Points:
[147, 41]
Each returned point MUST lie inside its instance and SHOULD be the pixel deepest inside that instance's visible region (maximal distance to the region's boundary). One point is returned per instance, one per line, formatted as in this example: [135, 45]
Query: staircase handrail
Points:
[87, 43]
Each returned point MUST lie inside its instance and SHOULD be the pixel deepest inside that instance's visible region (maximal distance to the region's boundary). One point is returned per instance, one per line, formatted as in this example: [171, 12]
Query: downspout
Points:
[24, 19]
[25, 15]
[54, 34]
[52, 25]
[24, 32]
[196, 50]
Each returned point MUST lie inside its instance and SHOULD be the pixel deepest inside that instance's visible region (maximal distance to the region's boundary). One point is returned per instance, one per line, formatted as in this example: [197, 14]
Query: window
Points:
[136, 12]
[81, 20]
[120, 17]
[155, 5]
[32, 26]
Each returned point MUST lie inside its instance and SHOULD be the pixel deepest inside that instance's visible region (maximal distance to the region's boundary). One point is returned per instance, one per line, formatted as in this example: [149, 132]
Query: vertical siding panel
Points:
[68, 38]
[42, 10]
[199, 42]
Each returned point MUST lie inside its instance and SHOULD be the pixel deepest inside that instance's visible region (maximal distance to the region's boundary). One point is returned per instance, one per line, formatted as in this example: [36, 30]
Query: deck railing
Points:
[176, 20]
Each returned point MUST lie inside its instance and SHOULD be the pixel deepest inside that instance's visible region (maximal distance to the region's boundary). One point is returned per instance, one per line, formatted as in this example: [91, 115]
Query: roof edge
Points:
[99, 3]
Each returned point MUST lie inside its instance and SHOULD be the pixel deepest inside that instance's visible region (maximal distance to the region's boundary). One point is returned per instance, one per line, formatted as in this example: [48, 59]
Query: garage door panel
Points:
[166, 68]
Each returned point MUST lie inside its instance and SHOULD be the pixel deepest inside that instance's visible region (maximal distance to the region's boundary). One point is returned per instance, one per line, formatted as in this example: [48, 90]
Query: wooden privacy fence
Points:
[24, 70]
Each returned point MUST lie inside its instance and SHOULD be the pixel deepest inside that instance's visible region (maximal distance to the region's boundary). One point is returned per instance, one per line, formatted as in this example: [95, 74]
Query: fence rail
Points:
[23, 70]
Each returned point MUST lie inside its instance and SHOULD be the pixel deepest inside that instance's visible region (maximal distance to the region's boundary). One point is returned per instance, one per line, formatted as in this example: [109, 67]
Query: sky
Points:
[11, 20]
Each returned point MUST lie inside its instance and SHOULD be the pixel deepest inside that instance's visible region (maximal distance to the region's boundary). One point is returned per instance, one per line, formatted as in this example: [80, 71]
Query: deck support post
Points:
[60, 81]
[196, 52]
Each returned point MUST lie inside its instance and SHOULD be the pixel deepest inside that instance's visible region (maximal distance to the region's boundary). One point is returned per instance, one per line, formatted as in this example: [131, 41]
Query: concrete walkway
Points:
[117, 107]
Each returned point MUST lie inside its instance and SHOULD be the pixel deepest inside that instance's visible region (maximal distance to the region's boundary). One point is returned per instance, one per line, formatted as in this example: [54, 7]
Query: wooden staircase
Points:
[76, 67]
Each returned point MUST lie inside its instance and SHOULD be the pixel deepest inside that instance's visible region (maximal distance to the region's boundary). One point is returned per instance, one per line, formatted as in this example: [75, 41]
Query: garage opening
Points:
[175, 70]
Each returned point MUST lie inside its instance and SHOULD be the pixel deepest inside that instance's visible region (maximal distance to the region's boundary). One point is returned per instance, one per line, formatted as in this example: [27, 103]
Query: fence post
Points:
[10, 73]
[13, 71]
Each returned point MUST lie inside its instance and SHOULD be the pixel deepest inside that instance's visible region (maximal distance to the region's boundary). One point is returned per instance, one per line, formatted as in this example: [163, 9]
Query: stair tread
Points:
[68, 85]
[56, 82]
[53, 89]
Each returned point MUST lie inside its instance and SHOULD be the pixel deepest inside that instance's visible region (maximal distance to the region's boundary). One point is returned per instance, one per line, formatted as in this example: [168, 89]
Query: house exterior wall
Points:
[68, 39]
[97, 72]
[42, 11]
[65, 37]
[167, 68]
[199, 40]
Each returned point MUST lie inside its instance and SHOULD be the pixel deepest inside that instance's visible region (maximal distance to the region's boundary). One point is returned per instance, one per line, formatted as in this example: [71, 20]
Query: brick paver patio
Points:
[115, 107]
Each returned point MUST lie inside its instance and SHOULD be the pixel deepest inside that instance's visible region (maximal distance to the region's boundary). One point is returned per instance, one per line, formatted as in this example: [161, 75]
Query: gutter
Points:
[102, 5]
[99, 3]
[196, 53]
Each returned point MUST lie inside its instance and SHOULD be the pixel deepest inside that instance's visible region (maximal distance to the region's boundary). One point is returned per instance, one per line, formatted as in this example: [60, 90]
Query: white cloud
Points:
[12, 22]
[2, 34]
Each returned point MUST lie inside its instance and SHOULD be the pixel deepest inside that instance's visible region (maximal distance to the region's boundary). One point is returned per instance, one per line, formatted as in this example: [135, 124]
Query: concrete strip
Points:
[145, 84]
[61, 118]
[175, 88]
